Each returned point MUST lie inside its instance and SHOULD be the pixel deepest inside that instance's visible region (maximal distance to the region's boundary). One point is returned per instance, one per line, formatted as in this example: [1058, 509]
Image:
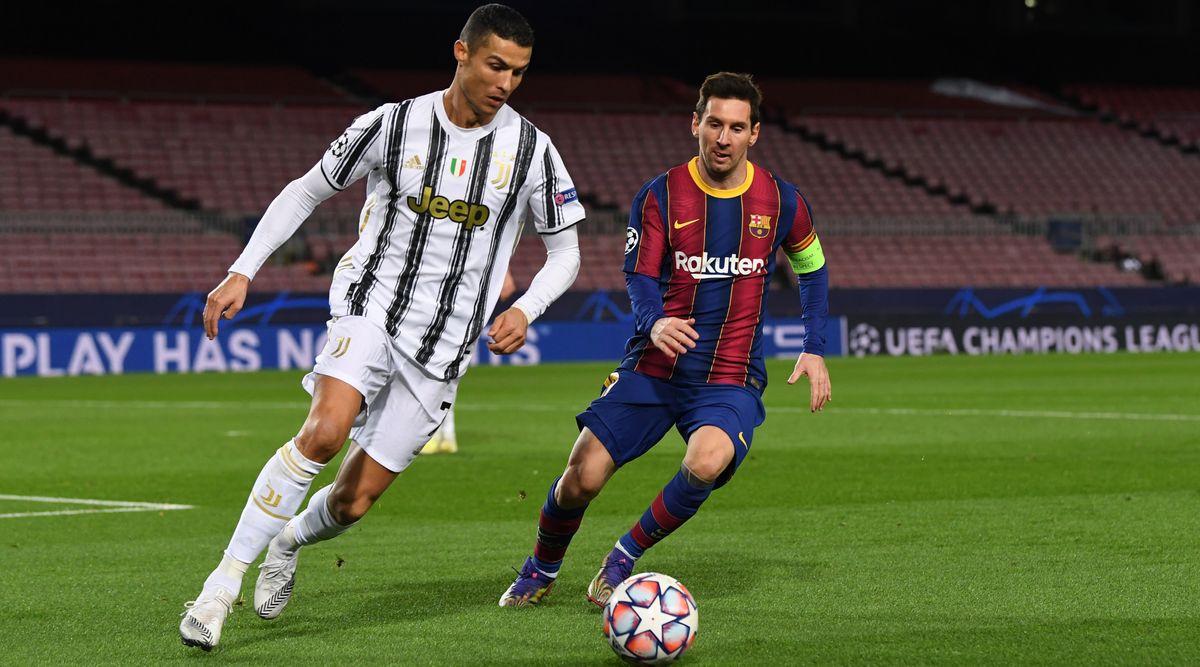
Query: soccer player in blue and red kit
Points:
[699, 252]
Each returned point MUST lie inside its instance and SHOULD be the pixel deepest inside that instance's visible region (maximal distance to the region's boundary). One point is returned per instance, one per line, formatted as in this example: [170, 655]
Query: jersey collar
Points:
[694, 170]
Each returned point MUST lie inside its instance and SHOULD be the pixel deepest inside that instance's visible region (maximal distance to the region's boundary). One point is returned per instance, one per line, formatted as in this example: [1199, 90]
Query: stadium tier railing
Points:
[599, 222]
[81, 251]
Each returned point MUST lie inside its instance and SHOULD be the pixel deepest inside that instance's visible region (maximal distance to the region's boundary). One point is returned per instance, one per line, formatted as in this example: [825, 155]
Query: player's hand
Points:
[674, 336]
[508, 331]
[225, 300]
[813, 365]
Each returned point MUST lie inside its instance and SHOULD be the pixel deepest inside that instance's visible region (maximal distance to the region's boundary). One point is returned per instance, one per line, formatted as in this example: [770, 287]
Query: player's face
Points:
[490, 73]
[725, 134]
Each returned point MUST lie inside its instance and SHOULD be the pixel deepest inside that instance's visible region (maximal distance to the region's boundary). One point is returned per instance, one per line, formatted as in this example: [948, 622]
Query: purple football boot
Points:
[529, 587]
[616, 569]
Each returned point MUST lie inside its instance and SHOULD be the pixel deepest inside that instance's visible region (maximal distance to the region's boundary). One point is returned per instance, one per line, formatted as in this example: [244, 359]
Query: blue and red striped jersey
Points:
[712, 252]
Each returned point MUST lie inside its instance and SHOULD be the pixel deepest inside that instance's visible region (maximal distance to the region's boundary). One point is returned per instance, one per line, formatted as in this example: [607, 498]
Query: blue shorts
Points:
[634, 412]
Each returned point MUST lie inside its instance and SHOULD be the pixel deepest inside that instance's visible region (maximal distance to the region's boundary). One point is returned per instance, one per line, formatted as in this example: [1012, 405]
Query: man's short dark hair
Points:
[499, 20]
[730, 86]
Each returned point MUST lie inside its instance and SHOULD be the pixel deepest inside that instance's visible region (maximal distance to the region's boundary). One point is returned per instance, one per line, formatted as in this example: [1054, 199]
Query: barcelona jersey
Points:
[712, 252]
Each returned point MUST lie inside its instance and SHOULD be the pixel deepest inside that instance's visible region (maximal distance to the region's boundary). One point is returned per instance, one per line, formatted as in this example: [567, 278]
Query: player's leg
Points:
[278, 492]
[398, 423]
[709, 453]
[348, 373]
[449, 433]
[716, 416]
[589, 467]
[331, 511]
[616, 428]
[444, 440]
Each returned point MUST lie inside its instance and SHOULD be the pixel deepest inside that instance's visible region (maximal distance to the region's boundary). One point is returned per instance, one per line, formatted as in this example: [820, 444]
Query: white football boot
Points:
[204, 616]
[276, 577]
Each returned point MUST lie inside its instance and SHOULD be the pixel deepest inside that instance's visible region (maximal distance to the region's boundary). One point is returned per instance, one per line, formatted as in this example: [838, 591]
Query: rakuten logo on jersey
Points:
[706, 266]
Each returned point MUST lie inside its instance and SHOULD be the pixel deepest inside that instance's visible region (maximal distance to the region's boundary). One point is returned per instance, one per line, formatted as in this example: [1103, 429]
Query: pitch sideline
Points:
[110, 506]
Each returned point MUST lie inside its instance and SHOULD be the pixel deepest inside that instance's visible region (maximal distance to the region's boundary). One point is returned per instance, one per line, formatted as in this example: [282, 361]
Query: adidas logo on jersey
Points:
[413, 162]
[462, 212]
[707, 266]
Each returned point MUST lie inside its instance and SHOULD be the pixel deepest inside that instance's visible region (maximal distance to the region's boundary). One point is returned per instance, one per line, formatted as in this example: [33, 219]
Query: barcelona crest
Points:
[760, 226]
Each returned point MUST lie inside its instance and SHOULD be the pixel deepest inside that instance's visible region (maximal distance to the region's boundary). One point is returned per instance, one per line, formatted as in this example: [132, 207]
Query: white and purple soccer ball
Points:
[651, 619]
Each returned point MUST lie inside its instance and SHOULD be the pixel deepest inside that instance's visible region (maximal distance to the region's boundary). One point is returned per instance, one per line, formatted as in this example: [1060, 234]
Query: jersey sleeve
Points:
[553, 200]
[646, 237]
[355, 153]
[801, 245]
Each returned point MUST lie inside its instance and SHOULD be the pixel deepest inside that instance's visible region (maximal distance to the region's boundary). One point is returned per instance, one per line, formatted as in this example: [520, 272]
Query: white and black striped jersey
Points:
[441, 221]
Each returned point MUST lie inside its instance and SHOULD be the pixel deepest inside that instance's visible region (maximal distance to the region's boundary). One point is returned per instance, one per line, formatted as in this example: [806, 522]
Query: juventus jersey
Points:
[442, 217]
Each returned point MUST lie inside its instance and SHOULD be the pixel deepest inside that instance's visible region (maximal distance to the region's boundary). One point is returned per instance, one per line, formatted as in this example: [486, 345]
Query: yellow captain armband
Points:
[807, 260]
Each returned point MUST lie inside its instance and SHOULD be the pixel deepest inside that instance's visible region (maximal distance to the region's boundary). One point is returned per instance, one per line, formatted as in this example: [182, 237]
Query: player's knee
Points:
[321, 439]
[709, 453]
[706, 466]
[577, 488]
[706, 469]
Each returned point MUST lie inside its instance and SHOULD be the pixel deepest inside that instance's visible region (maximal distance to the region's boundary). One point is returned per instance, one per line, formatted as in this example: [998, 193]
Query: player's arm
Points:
[646, 245]
[556, 210]
[556, 275]
[283, 217]
[348, 159]
[803, 250]
[671, 335]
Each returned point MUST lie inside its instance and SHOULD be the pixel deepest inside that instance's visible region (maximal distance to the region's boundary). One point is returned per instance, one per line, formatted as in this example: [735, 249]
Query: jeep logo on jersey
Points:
[462, 212]
[707, 266]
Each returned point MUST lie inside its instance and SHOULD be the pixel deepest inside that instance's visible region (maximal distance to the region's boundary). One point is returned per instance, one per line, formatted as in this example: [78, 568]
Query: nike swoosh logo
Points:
[743, 439]
[681, 225]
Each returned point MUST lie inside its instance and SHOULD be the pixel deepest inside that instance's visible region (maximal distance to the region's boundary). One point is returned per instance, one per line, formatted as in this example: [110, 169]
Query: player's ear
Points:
[461, 52]
[695, 125]
[754, 133]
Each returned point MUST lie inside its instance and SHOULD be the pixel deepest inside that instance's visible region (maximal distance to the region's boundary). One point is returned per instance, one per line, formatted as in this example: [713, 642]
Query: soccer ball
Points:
[650, 619]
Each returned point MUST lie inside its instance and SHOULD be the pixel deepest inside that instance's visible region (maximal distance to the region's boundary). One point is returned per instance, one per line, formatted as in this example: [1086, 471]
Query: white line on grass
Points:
[152, 405]
[903, 412]
[111, 505]
[972, 412]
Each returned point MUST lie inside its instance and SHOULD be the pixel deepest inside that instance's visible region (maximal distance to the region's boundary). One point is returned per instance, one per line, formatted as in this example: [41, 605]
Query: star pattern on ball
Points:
[653, 618]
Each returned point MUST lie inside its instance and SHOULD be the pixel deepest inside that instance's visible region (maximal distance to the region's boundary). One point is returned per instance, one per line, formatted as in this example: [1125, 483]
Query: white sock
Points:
[277, 494]
[447, 429]
[315, 523]
[622, 550]
[228, 575]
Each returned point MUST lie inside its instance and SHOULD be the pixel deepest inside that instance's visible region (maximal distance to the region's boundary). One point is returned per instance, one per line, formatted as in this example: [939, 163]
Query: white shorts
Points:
[402, 405]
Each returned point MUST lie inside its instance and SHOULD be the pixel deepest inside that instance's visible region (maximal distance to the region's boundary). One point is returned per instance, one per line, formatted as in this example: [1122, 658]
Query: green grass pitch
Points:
[942, 510]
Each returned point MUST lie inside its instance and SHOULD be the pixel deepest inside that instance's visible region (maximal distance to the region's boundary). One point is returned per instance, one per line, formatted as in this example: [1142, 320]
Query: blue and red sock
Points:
[679, 501]
[556, 527]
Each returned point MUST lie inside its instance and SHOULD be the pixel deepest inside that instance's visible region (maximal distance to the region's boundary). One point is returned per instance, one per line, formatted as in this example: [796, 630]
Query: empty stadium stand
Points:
[165, 81]
[1178, 255]
[33, 178]
[549, 91]
[1174, 112]
[1032, 167]
[611, 155]
[119, 262]
[233, 158]
[231, 137]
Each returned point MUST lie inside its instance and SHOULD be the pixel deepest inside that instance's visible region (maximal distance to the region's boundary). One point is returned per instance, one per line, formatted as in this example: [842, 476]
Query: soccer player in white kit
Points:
[449, 175]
